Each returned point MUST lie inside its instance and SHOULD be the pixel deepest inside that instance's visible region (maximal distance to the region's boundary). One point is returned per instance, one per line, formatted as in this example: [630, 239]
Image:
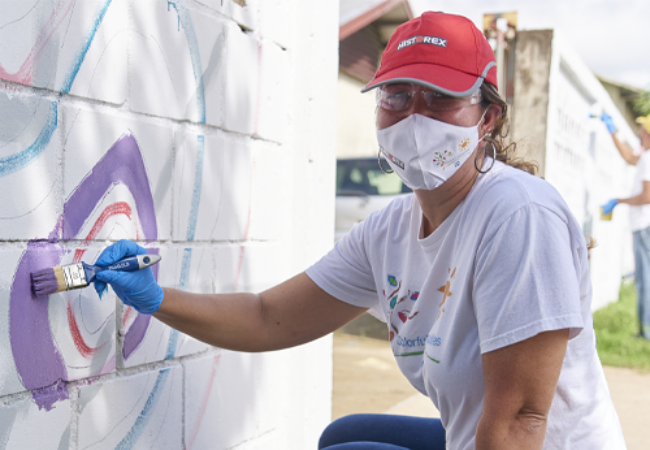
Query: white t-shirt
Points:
[640, 215]
[508, 263]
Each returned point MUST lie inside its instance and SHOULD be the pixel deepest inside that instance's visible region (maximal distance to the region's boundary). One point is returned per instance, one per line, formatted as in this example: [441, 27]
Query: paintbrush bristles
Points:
[48, 281]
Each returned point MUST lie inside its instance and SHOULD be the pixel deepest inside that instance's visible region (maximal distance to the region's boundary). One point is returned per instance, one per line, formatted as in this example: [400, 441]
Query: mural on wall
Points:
[72, 335]
[38, 359]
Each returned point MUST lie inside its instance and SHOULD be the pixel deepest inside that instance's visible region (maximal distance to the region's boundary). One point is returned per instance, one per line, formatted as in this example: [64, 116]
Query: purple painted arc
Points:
[122, 164]
[38, 361]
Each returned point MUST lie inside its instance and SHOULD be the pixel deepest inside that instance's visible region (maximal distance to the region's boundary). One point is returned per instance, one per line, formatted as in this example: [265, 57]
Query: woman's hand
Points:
[138, 288]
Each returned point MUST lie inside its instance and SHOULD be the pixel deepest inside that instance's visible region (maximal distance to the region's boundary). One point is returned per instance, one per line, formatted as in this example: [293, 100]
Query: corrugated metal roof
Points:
[359, 54]
[364, 29]
[351, 9]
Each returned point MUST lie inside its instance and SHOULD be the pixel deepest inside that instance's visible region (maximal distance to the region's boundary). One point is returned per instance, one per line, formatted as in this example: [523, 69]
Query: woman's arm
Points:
[642, 199]
[520, 382]
[625, 151]
[292, 313]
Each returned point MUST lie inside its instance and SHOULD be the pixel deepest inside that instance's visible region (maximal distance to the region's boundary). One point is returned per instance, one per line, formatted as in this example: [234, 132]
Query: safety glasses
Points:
[399, 96]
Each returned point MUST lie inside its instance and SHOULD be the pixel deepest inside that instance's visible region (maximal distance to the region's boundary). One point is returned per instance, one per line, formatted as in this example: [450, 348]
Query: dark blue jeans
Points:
[383, 432]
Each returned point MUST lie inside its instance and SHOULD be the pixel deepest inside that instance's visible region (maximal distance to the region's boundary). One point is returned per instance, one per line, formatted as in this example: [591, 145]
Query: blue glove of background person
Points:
[609, 206]
[138, 288]
[609, 122]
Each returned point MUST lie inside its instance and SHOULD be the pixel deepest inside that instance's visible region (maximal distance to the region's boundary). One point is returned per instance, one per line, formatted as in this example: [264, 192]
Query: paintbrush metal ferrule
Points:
[75, 276]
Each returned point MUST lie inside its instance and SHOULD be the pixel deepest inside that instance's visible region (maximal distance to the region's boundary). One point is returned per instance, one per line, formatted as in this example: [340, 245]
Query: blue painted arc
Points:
[22, 159]
[188, 27]
[19, 161]
[81, 53]
[186, 22]
[129, 441]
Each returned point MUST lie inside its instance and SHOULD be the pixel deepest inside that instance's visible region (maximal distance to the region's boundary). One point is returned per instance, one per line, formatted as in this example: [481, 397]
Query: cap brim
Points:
[448, 81]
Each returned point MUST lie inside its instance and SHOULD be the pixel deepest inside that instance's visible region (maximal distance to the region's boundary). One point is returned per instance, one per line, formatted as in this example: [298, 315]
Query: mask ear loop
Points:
[494, 149]
[494, 157]
[379, 162]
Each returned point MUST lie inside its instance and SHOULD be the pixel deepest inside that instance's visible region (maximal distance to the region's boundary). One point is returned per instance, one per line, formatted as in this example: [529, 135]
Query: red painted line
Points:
[204, 403]
[82, 347]
[127, 314]
[109, 211]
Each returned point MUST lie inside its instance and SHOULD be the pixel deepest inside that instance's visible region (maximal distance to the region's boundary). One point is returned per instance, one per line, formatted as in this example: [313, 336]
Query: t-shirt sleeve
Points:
[345, 272]
[527, 279]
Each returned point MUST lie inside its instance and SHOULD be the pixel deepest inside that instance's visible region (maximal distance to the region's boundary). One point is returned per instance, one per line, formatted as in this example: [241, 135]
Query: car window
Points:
[363, 176]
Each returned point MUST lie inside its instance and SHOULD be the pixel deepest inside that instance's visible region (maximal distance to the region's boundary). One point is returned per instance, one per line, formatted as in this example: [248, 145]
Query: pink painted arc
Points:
[240, 261]
[204, 403]
[25, 74]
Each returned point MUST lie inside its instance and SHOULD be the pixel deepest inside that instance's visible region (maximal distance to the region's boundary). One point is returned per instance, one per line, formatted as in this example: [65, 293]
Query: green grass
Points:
[616, 328]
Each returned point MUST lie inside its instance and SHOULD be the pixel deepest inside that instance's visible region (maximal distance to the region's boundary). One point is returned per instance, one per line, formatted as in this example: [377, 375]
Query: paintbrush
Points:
[80, 275]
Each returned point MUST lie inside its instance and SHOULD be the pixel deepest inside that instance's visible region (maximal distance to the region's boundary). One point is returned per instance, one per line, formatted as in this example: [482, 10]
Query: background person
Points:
[639, 201]
[481, 274]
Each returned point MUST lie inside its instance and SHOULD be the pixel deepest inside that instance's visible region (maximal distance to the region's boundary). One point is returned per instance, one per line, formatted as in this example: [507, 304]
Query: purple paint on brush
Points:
[49, 286]
[38, 360]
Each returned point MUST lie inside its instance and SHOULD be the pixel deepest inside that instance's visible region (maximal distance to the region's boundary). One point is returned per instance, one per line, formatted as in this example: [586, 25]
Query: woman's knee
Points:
[344, 429]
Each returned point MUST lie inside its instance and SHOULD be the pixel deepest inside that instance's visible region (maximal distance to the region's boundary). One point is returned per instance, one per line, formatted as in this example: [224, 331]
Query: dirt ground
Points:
[367, 380]
[366, 376]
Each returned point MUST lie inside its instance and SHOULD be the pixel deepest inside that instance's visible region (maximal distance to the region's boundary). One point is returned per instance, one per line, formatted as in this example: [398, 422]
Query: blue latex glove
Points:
[609, 122]
[138, 288]
[609, 206]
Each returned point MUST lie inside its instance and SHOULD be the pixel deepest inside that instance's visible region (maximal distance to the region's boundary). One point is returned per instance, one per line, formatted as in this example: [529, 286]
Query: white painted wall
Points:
[204, 130]
[584, 165]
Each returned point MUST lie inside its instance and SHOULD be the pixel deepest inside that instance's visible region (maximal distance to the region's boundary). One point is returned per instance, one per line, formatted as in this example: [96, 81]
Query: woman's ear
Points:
[490, 120]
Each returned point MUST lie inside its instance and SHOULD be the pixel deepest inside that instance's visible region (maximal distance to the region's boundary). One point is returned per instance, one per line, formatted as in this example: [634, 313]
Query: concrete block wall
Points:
[556, 110]
[204, 130]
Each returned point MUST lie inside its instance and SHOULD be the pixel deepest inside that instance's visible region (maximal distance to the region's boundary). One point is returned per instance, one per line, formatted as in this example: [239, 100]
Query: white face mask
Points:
[425, 152]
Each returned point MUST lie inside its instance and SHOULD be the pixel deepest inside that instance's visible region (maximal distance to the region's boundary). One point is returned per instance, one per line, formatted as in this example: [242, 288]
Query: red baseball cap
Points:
[443, 52]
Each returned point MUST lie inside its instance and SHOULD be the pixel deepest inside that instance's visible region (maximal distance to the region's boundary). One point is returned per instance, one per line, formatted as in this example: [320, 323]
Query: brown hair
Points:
[505, 152]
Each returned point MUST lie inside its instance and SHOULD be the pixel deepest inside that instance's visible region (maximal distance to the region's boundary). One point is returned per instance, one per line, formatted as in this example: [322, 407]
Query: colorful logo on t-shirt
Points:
[399, 315]
[401, 311]
[446, 291]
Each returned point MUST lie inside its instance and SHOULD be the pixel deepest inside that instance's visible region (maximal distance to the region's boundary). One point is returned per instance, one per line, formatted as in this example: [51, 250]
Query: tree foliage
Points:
[642, 104]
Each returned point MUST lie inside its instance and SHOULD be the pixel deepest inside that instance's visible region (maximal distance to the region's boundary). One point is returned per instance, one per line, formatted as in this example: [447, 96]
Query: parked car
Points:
[361, 188]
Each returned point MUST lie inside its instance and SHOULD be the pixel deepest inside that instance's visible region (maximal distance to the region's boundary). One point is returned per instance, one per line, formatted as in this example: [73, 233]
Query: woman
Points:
[481, 275]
